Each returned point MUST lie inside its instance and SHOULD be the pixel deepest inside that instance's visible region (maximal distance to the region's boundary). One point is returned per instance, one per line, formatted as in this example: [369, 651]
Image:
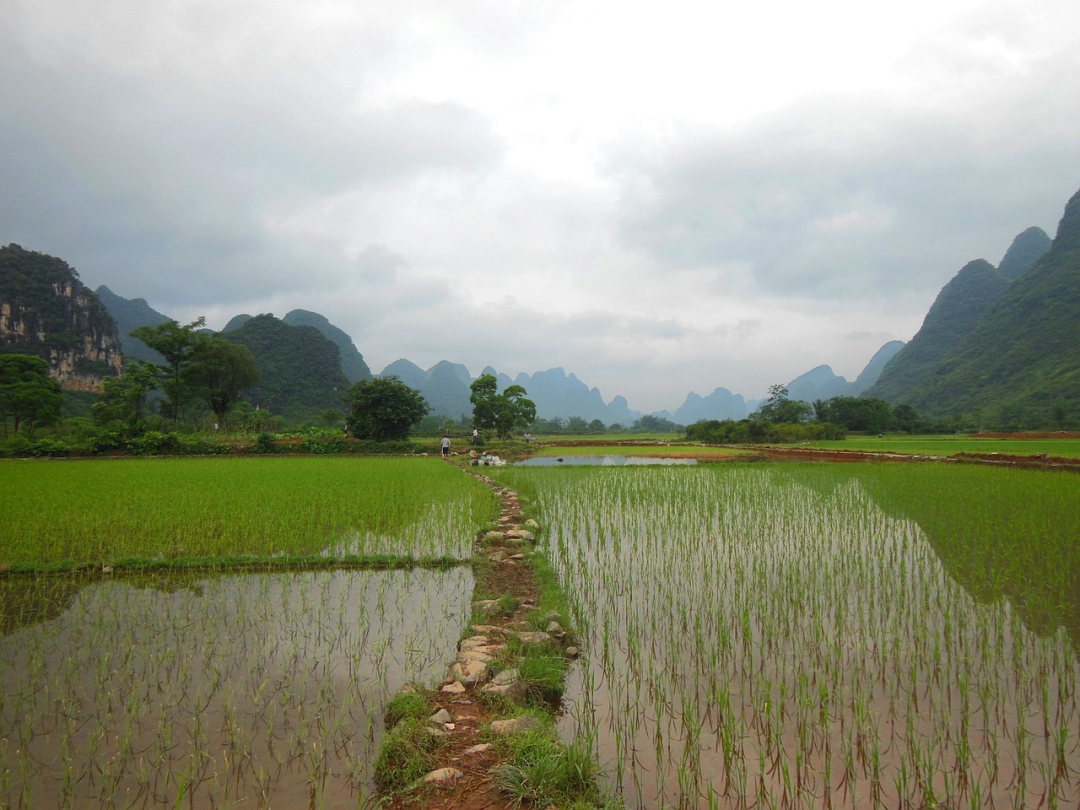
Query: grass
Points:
[540, 771]
[951, 445]
[201, 509]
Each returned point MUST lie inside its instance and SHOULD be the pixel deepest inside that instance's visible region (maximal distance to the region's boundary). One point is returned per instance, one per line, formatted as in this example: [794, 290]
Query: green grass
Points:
[668, 449]
[950, 445]
[202, 509]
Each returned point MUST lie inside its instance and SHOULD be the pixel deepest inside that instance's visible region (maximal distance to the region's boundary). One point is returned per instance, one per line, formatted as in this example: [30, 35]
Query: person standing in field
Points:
[445, 446]
[475, 436]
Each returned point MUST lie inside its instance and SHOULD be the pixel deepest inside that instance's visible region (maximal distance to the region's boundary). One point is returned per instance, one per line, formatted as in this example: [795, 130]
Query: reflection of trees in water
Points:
[27, 599]
[999, 533]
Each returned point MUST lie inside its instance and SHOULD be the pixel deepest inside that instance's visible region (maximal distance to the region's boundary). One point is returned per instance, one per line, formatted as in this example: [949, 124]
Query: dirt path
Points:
[512, 576]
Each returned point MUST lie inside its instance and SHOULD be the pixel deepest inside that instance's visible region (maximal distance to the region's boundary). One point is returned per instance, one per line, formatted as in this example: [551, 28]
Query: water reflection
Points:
[260, 689]
[604, 461]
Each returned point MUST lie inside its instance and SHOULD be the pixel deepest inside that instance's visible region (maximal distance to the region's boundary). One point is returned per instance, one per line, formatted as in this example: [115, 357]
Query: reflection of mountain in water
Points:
[1000, 534]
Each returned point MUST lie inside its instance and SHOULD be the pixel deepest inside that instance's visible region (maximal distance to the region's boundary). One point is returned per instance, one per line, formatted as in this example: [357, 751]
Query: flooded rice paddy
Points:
[188, 690]
[763, 638]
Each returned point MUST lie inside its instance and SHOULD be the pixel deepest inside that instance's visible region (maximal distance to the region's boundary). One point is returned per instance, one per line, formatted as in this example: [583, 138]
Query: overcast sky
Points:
[661, 198]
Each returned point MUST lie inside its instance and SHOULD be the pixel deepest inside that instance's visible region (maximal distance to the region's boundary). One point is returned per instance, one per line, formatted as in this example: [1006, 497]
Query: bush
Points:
[264, 443]
[17, 445]
[324, 446]
[153, 442]
[49, 448]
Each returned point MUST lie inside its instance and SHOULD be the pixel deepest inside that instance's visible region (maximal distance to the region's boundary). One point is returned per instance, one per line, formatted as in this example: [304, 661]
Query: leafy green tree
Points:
[218, 372]
[576, 426]
[384, 409]
[29, 397]
[779, 409]
[503, 412]
[177, 344]
[124, 397]
[596, 426]
[651, 423]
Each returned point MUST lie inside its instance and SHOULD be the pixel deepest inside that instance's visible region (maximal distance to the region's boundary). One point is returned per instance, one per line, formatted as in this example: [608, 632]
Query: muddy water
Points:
[248, 690]
[754, 643]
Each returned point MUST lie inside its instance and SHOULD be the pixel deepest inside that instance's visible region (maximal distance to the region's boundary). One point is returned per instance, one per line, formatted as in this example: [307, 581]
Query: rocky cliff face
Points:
[47, 312]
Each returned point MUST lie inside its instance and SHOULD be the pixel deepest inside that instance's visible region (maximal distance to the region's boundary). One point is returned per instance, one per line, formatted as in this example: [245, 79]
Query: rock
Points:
[476, 749]
[498, 556]
[555, 629]
[524, 723]
[494, 537]
[533, 637]
[552, 616]
[516, 557]
[572, 652]
[525, 535]
[532, 524]
[469, 672]
[506, 677]
[487, 607]
[443, 776]
[454, 688]
[441, 717]
[514, 691]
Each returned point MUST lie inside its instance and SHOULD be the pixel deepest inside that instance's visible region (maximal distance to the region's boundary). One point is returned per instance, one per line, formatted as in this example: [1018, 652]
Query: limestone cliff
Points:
[46, 311]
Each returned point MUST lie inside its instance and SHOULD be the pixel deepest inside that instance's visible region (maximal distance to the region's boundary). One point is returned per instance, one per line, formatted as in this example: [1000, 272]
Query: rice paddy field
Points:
[163, 686]
[950, 445]
[823, 636]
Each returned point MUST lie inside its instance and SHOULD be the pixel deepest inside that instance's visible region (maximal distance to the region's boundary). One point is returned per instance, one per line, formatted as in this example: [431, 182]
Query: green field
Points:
[181, 679]
[951, 445]
[661, 449]
[813, 635]
[208, 509]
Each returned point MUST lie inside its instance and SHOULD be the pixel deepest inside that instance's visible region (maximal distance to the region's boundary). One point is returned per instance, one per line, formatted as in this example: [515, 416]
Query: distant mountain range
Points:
[1003, 339]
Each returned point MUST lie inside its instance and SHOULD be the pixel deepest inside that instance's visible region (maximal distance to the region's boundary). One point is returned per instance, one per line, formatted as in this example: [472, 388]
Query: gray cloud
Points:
[852, 199]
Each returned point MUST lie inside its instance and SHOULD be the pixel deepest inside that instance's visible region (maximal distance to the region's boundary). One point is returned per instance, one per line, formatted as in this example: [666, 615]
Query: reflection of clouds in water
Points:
[264, 676]
[744, 621]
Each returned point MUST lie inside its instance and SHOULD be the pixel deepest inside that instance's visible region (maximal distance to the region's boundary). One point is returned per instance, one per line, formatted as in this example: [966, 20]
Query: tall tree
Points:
[504, 413]
[29, 398]
[124, 397]
[176, 344]
[384, 409]
[219, 372]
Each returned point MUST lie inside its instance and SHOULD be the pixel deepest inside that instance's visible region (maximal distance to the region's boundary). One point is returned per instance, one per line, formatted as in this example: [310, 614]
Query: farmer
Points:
[445, 446]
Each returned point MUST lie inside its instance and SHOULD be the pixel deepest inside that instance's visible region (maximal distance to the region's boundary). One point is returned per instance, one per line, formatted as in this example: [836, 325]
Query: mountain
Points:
[1026, 249]
[299, 368]
[130, 314]
[408, 372]
[46, 311]
[235, 322]
[955, 314]
[873, 369]
[557, 394]
[720, 404]
[352, 362]
[818, 383]
[1024, 356]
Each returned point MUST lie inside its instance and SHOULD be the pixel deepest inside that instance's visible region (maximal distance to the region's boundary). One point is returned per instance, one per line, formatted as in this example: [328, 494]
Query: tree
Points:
[779, 409]
[219, 371]
[384, 409]
[503, 412]
[176, 344]
[29, 397]
[124, 397]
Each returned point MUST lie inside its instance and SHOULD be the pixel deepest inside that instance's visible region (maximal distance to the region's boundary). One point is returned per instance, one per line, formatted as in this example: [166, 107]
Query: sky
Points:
[660, 198]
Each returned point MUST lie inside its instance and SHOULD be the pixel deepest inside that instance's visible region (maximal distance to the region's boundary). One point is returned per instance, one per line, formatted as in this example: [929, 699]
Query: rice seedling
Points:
[804, 636]
[218, 689]
[214, 510]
